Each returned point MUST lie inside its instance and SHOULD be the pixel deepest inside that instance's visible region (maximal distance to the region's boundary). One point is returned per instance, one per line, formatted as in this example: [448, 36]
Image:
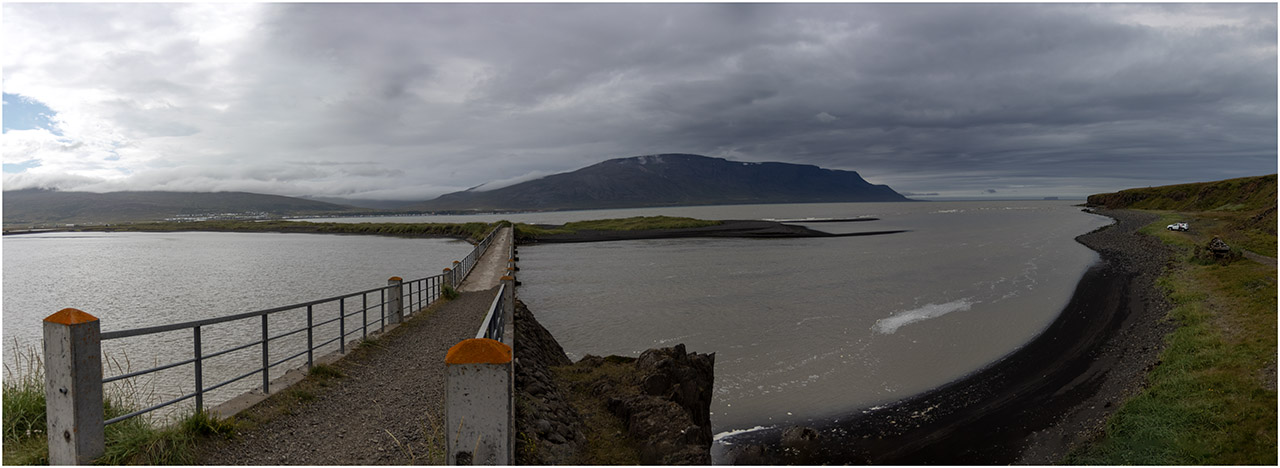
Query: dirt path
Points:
[1263, 259]
[388, 408]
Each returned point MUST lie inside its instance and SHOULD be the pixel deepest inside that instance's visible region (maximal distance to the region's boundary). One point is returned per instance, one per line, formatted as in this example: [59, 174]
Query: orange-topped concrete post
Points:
[479, 409]
[395, 303]
[73, 387]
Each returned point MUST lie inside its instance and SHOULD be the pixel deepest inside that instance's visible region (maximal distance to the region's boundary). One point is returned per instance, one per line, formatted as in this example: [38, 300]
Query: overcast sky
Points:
[409, 101]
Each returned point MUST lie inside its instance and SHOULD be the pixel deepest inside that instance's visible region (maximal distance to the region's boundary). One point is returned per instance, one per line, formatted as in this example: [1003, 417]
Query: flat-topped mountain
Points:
[671, 180]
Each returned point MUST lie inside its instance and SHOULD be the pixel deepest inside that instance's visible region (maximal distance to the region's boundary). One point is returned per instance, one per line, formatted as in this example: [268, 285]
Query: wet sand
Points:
[1030, 407]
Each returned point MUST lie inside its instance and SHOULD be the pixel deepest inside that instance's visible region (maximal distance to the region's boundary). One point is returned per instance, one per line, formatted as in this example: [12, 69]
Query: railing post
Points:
[266, 359]
[454, 276]
[446, 279]
[395, 297]
[310, 339]
[73, 387]
[342, 325]
[478, 404]
[364, 315]
[199, 365]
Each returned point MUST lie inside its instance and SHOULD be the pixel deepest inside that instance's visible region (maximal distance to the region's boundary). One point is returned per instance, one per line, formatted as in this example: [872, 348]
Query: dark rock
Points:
[798, 435]
[662, 399]
[749, 454]
[545, 422]
[1218, 247]
[673, 414]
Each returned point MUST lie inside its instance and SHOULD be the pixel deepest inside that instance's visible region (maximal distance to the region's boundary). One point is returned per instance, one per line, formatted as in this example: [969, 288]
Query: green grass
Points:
[1212, 398]
[473, 231]
[24, 410]
[326, 371]
[607, 442]
[1242, 194]
[449, 293]
[529, 231]
[1238, 230]
[137, 440]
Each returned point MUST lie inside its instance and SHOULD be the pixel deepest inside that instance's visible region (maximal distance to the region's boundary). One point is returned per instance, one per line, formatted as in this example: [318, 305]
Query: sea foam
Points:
[891, 324]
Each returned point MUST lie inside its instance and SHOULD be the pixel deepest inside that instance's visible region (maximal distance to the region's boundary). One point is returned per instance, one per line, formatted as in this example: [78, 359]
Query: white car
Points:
[1179, 227]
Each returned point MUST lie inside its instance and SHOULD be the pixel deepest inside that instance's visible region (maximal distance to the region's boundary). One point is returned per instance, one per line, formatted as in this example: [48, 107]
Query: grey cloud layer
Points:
[1066, 99]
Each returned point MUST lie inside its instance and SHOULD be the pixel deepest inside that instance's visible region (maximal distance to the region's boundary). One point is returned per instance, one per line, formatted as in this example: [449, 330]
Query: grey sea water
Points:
[815, 328]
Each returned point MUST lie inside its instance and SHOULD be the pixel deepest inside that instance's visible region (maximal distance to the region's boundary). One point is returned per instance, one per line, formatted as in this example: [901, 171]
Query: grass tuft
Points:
[326, 371]
[1212, 399]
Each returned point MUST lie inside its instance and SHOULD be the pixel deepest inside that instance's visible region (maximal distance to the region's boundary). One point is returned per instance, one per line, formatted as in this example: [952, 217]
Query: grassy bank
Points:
[136, 440]
[608, 442]
[472, 231]
[1212, 398]
[526, 232]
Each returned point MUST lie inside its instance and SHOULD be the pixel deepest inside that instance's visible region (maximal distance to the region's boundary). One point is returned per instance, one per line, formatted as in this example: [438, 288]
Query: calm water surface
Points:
[815, 328]
[131, 280]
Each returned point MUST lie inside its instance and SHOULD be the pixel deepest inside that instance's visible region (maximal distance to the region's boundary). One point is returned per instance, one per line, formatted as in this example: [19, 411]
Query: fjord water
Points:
[132, 280]
[819, 327]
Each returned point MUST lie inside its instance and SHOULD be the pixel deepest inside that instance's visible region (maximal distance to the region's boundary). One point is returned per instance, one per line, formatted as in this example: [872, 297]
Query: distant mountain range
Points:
[655, 180]
[671, 180]
[43, 207]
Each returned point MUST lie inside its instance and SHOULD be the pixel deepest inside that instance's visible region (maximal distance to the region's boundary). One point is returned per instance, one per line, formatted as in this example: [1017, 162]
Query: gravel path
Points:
[389, 406]
[491, 267]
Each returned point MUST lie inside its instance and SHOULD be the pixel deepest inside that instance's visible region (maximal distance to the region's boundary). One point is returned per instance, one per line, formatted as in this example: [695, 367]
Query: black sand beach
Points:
[1030, 407]
[734, 228]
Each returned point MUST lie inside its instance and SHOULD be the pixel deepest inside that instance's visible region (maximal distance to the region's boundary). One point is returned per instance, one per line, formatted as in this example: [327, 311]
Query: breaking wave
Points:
[891, 324]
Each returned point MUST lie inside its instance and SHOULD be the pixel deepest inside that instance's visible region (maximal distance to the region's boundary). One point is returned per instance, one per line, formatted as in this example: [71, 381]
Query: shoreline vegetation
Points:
[601, 230]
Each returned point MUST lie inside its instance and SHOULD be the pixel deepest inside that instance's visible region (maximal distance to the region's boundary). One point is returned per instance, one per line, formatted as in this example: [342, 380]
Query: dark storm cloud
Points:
[1063, 99]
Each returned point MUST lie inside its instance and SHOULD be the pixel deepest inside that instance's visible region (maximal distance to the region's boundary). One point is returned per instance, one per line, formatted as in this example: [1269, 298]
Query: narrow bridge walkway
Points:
[387, 408]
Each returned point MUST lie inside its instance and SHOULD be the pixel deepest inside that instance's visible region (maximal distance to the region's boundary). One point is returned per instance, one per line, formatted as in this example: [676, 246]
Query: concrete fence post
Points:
[456, 279]
[73, 387]
[395, 300]
[479, 413]
[447, 280]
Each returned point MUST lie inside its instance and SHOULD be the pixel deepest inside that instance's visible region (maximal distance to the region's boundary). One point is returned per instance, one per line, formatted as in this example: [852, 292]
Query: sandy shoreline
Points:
[1033, 405]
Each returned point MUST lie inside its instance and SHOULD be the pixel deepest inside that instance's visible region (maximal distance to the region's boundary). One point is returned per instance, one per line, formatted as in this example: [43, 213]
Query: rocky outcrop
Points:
[662, 401]
[670, 411]
[548, 429]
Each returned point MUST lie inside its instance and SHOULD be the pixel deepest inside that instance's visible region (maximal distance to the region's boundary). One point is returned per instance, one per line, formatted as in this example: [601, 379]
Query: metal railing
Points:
[469, 262]
[414, 295]
[492, 326]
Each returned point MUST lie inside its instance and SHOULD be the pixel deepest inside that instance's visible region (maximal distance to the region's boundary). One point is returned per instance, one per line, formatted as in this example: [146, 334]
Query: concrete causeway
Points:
[388, 408]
